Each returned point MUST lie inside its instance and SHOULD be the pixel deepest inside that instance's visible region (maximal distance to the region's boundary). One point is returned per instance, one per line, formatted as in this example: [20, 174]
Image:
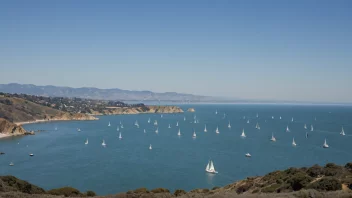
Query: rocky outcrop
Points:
[8, 128]
[70, 116]
[139, 110]
[191, 110]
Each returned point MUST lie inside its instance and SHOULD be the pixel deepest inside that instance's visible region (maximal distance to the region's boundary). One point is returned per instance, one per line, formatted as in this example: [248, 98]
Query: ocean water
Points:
[62, 159]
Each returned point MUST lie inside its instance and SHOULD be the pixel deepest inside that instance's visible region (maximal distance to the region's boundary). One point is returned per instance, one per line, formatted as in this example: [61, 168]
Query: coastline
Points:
[39, 121]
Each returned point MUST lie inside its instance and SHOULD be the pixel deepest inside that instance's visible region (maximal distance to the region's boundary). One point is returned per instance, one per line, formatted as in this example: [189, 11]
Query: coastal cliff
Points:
[8, 128]
[138, 110]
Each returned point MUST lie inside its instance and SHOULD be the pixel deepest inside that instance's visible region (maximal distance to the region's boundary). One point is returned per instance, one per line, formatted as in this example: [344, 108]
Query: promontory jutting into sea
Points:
[206, 145]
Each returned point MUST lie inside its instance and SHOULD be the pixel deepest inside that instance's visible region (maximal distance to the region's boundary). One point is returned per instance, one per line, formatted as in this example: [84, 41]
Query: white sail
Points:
[280, 117]
[272, 117]
[293, 142]
[325, 145]
[177, 123]
[155, 122]
[311, 128]
[117, 129]
[194, 134]
[205, 128]
[149, 120]
[257, 115]
[243, 134]
[247, 121]
[342, 132]
[103, 144]
[305, 126]
[287, 129]
[144, 131]
[273, 138]
[86, 142]
[157, 130]
[169, 126]
[184, 118]
[292, 119]
[78, 129]
[217, 130]
[211, 166]
[216, 112]
[120, 136]
[208, 166]
[229, 125]
[109, 124]
[161, 116]
[121, 126]
[150, 147]
[179, 132]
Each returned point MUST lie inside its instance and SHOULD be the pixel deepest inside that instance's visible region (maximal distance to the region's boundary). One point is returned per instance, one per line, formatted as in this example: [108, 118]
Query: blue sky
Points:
[283, 50]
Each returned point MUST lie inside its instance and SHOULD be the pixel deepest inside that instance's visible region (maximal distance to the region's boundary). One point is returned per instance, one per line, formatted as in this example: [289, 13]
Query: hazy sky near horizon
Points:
[283, 50]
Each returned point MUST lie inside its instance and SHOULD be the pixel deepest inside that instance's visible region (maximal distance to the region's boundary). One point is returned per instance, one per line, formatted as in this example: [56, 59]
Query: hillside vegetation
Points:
[329, 181]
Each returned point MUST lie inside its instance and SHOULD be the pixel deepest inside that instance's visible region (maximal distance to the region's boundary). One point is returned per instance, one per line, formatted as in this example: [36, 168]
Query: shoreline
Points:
[39, 121]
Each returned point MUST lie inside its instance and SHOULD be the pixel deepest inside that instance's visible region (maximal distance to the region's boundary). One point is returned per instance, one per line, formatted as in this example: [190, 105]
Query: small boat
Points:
[243, 135]
[177, 123]
[120, 136]
[216, 112]
[121, 126]
[31, 154]
[325, 145]
[118, 129]
[229, 125]
[205, 128]
[194, 134]
[280, 117]
[257, 126]
[210, 167]
[109, 124]
[293, 142]
[217, 130]
[305, 126]
[103, 144]
[292, 119]
[155, 123]
[157, 130]
[287, 129]
[86, 142]
[273, 139]
[184, 118]
[11, 164]
[78, 129]
[342, 132]
[150, 147]
[311, 128]
[148, 120]
[272, 117]
[169, 126]
[144, 131]
[247, 121]
[248, 155]
[179, 132]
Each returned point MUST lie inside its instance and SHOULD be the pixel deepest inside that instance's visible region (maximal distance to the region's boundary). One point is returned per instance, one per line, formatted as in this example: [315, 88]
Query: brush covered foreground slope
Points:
[318, 182]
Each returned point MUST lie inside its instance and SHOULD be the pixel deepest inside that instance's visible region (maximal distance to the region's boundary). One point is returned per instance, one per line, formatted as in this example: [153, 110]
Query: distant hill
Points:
[95, 93]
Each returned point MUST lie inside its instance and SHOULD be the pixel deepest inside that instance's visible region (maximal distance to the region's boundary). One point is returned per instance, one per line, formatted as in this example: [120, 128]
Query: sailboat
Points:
[293, 142]
[120, 136]
[179, 132]
[305, 126]
[248, 155]
[292, 119]
[86, 142]
[109, 124]
[150, 147]
[11, 164]
[205, 128]
[273, 139]
[342, 132]
[148, 120]
[177, 123]
[217, 130]
[280, 117]
[243, 134]
[169, 126]
[155, 122]
[78, 129]
[229, 125]
[103, 144]
[121, 126]
[161, 116]
[194, 134]
[216, 112]
[257, 126]
[325, 145]
[144, 131]
[287, 129]
[157, 130]
[184, 118]
[118, 129]
[272, 117]
[247, 121]
[311, 128]
[210, 167]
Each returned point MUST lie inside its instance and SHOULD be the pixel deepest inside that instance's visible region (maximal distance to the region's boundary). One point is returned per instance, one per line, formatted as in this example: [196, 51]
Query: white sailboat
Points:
[155, 122]
[157, 130]
[248, 155]
[287, 129]
[121, 126]
[194, 134]
[325, 145]
[280, 117]
[342, 132]
[169, 126]
[120, 136]
[86, 142]
[272, 117]
[210, 167]
[311, 128]
[150, 147]
[179, 132]
[243, 135]
[216, 112]
[205, 128]
[257, 126]
[292, 119]
[184, 118]
[247, 121]
[305, 126]
[293, 142]
[11, 164]
[109, 124]
[177, 123]
[161, 116]
[144, 131]
[273, 139]
[148, 120]
[217, 130]
[78, 129]
[118, 129]
[103, 144]
[229, 125]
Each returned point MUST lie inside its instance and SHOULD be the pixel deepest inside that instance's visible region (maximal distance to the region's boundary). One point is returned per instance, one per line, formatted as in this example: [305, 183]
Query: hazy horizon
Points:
[272, 50]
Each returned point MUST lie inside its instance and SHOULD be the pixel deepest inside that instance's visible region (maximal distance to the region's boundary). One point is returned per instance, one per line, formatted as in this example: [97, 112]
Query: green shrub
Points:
[141, 190]
[299, 181]
[271, 189]
[348, 166]
[315, 171]
[326, 184]
[179, 192]
[215, 188]
[255, 191]
[66, 191]
[91, 193]
[244, 188]
[20, 185]
[160, 190]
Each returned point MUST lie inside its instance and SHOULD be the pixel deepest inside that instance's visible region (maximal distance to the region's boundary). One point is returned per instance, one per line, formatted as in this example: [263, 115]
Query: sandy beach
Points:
[4, 135]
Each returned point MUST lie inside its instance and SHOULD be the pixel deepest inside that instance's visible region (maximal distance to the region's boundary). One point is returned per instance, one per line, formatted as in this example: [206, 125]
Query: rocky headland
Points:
[191, 110]
[8, 128]
[138, 110]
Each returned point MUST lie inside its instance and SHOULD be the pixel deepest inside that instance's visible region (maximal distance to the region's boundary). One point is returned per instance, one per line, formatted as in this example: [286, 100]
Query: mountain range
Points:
[105, 94]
